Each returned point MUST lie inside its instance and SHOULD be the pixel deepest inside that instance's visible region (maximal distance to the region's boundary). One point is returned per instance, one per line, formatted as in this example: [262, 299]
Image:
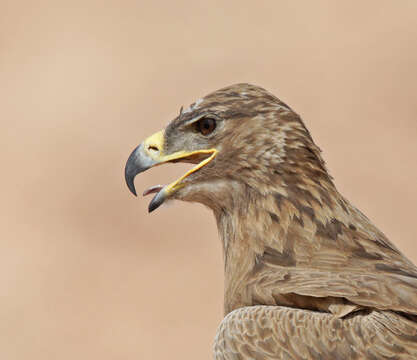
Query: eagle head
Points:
[241, 138]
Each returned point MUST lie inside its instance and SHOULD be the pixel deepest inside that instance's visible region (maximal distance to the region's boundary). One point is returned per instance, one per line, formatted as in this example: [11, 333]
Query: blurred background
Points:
[85, 272]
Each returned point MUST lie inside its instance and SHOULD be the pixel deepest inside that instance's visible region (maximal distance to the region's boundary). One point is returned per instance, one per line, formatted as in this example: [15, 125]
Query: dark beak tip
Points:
[133, 191]
[133, 168]
[152, 206]
[157, 201]
[130, 178]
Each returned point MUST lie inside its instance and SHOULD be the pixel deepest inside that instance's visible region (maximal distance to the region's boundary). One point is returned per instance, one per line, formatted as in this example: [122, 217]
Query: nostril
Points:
[153, 148]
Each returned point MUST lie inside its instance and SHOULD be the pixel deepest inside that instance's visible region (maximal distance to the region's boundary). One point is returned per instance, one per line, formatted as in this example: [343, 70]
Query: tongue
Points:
[153, 189]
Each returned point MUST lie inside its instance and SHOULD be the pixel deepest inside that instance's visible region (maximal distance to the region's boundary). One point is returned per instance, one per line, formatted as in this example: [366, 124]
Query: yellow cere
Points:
[154, 145]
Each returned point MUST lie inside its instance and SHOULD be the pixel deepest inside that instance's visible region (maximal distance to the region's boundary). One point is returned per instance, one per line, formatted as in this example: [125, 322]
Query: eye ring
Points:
[206, 125]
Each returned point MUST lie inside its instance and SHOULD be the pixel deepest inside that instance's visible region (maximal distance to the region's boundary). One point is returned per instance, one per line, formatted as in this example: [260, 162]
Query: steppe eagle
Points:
[307, 275]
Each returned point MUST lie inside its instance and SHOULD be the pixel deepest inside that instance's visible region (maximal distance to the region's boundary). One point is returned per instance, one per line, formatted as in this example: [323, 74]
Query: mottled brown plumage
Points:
[307, 275]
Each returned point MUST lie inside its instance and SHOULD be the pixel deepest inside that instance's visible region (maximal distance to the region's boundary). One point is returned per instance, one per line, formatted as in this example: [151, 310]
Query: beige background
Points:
[85, 272]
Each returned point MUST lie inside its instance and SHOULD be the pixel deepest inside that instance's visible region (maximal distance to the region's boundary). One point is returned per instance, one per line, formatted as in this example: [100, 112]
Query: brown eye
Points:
[206, 125]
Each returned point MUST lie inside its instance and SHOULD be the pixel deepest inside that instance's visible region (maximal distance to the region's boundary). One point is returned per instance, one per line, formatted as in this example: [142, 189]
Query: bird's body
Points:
[307, 275]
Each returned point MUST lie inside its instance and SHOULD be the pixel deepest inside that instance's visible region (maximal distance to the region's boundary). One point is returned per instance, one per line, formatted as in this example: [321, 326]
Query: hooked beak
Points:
[151, 153]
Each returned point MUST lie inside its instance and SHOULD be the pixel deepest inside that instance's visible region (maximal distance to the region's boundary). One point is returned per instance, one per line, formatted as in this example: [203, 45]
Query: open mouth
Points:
[151, 153]
[163, 191]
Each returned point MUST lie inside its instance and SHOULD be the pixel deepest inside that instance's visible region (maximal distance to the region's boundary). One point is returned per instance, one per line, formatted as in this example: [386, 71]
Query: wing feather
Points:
[273, 332]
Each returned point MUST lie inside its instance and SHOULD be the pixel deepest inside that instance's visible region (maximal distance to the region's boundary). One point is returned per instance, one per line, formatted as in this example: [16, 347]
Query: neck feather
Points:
[277, 225]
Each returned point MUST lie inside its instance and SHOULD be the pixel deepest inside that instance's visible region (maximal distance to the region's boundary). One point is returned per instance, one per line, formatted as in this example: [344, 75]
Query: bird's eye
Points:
[205, 126]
